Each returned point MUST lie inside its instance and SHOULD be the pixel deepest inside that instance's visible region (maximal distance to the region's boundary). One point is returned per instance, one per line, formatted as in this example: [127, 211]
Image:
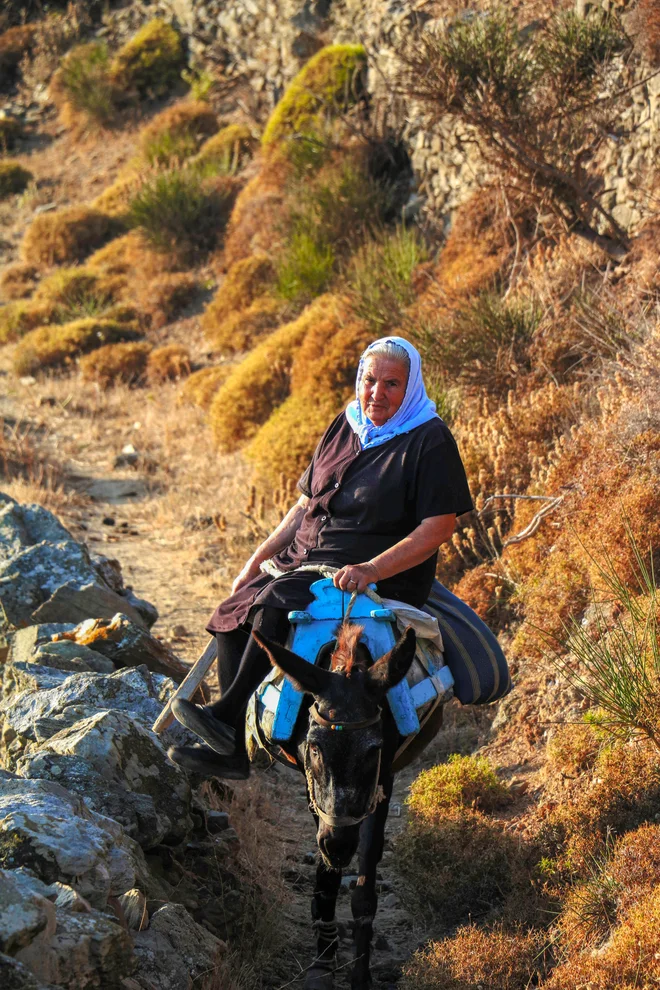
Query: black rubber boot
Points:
[204, 761]
[216, 734]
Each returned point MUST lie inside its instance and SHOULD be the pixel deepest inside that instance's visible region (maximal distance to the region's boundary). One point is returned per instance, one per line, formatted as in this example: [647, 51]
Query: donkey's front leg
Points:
[365, 899]
[320, 975]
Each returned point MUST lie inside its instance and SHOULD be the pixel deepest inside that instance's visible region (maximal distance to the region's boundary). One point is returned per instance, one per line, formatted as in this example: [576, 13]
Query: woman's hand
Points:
[249, 572]
[355, 577]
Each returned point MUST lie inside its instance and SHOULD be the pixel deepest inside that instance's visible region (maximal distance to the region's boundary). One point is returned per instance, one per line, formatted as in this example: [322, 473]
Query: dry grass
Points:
[27, 473]
[58, 346]
[10, 131]
[463, 844]
[67, 236]
[131, 255]
[200, 388]
[474, 958]
[18, 281]
[242, 329]
[573, 748]
[164, 297]
[114, 363]
[13, 179]
[177, 133]
[169, 363]
[261, 381]
[15, 43]
[18, 318]
[260, 214]
[228, 150]
[245, 282]
[115, 201]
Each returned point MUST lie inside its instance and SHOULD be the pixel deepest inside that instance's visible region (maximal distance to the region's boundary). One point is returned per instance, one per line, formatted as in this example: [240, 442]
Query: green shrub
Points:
[55, 346]
[307, 267]
[13, 179]
[67, 236]
[463, 781]
[380, 278]
[180, 213]
[227, 150]
[461, 865]
[150, 63]
[329, 83]
[77, 292]
[176, 133]
[84, 82]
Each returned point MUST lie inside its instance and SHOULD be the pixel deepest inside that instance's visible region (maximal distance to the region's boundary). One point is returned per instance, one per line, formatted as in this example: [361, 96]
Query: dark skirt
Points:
[291, 591]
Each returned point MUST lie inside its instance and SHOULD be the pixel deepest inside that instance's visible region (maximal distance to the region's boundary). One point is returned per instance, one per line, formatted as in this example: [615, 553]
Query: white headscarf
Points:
[415, 409]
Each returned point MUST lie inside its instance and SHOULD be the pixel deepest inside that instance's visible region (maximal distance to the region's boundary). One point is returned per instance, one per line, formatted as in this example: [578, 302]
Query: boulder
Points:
[72, 657]
[24, 914]
[51, 832]
[175, 952]
[25, 641]
[15, 976]
[87, 950]
[120, 769]
[76, 600]
[30, 577]
[127, 645]
[33, 717]
[24, 525]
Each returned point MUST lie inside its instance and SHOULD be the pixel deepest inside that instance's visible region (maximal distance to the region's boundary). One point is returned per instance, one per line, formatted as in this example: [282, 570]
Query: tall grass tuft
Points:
[85, 81]
[616, 663]
[178, 212]
[380, 277]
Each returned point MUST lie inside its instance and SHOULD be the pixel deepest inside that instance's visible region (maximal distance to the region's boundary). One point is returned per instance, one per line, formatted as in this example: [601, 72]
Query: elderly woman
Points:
[379, 497]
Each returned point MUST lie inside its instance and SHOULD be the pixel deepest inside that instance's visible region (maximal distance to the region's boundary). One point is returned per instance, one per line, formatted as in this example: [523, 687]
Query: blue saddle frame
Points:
[315, 627]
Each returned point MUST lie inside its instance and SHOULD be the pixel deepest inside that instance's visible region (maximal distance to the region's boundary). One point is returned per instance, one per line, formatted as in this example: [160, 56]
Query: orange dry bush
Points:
[260, 212]
[67, 236]
[261, 382]
[623, 793]
[629, 961]
[477, 957]
[200, 388]
[635, 865]
[162, 298]
[245, 281]
[573, 748]
[482, 591]
[15, 42]
[322, 382]
[18, 281]
[168, 363]
[116, 199]
[241, 330]
[177, 132]
[608, 471]
[130, 255]
[18, 318]
[643, 24]
[56, 346]
[116, 363]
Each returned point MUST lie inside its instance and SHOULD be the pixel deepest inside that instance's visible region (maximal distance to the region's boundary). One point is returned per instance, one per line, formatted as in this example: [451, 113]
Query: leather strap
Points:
[342, 726]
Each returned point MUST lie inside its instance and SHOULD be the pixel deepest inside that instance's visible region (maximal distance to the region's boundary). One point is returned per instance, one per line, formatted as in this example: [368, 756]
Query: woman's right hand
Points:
[249, 572]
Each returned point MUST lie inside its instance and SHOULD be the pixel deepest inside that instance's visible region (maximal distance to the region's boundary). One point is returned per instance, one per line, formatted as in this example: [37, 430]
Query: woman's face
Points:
[382, 388]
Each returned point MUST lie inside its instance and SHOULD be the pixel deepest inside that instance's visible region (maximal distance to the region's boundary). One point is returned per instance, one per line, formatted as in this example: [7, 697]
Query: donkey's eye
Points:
[315, 752]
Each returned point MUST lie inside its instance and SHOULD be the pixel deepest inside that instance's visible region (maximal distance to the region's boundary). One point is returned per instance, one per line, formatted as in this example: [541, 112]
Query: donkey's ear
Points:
[304, 676]
[394, 666]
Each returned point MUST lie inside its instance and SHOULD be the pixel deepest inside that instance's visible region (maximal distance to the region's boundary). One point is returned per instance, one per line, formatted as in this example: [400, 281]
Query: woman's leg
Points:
[231, 646]
[254, 665]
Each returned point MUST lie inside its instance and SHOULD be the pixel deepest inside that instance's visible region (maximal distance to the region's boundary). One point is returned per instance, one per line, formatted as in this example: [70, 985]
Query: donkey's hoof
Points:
[320, 976]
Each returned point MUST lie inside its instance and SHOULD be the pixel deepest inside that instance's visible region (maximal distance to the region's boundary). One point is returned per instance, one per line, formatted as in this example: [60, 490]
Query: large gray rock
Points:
[24, 914]
[25, 641]
[30, 577]
[72, 657]
[175, 952]
[49, 666]
[36, 716]
[51, 832]
[24, 525]
[120, 769]
[15, 976]
[127, 645]
[87, 950]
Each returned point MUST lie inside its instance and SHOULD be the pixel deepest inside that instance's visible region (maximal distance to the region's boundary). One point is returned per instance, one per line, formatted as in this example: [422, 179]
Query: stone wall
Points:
[266, 42]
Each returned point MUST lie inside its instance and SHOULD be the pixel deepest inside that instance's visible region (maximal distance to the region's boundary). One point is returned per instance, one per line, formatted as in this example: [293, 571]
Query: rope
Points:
[326, 571]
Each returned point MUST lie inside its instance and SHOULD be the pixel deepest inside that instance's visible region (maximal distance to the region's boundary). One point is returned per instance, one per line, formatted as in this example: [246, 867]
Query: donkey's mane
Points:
[345, 657]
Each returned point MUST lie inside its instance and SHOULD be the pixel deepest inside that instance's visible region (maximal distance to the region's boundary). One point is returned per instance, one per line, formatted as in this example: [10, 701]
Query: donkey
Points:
[346, 748]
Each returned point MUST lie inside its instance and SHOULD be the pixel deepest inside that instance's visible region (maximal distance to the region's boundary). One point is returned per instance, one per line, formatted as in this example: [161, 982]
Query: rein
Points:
[341, 821]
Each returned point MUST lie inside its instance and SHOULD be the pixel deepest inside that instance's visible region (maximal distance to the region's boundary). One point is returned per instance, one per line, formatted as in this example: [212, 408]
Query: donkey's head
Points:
[341, 750]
